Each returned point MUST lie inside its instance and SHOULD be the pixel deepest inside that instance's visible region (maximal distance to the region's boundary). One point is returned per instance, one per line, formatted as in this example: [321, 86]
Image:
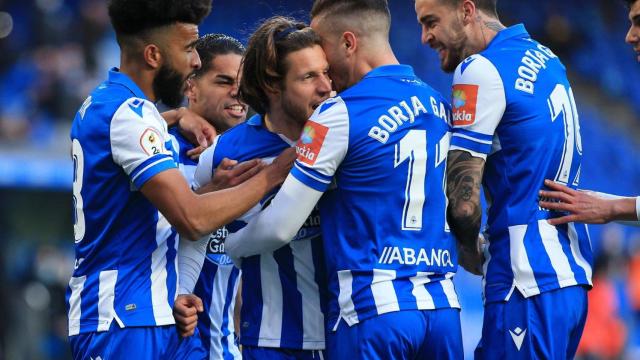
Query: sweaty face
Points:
[306, 83]
[443, 31]
[180, 61]
[338, 65]
[633, 36]
[214, 94]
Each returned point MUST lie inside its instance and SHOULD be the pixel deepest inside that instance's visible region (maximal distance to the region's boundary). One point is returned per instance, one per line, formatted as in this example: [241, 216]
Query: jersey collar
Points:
[255, 120]
[515, 31]
[116, 77]
[390, 71]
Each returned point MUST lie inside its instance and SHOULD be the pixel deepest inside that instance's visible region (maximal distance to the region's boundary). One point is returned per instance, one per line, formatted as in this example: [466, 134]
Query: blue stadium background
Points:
[52, 52]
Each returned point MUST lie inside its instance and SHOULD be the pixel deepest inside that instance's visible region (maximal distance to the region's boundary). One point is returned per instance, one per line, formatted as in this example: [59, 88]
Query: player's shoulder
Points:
[477, 67]
[332, 111]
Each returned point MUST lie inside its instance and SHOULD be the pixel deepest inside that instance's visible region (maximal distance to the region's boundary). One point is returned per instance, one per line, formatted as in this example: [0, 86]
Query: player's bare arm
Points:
[464, 214]
[194, 215]
[586, 207]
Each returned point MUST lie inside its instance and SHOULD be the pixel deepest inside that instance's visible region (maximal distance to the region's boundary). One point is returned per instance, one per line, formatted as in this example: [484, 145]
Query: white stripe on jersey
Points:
[348, 309]
[522, 271]
[76, 284]
[485, 266]
[384, 295]
[159, 291]
[424, 300]
[312, 317]
[450, 291]
[219, 292]
[577, 254]
[106, 295]
[233, 348]
[559, 260]
[271, 322]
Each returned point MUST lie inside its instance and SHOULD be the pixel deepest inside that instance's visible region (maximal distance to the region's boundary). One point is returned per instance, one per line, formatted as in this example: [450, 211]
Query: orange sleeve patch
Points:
[465, 99]
[310, 143]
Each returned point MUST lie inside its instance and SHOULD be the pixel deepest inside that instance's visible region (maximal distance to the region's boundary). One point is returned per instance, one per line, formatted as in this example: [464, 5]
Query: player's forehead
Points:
[185, 33]
[227, 64]
[430, 8]
[309, 59]
[634, 10]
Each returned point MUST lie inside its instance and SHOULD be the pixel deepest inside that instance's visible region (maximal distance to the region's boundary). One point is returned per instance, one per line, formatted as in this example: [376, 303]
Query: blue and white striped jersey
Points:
[283, 295]
[206, 271]
[125, 266]
[384, 143]
[513, 105]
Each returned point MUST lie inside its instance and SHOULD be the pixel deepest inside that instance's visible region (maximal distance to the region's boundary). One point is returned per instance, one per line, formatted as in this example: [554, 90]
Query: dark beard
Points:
[296, 113]
[168, 86]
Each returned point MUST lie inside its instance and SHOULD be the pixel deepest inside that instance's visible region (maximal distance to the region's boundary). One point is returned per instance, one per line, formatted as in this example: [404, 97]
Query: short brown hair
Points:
[263, 64]
[488, 6]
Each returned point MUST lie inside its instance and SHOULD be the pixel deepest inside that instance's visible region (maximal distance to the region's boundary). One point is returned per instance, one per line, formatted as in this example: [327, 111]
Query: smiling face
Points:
[214, 94]
[443, 31]
[306, 83]
[633, 35]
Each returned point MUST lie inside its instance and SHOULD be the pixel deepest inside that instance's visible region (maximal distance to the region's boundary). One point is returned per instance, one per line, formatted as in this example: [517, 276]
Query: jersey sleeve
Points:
[204, 170]
[478, 105]
[191, 256]
[140, 142]
[322, 145]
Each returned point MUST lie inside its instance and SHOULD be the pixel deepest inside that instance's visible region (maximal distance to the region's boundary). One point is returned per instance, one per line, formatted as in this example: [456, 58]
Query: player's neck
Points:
[374, 58]
[278, 122]
[140, 76]
[487, 29]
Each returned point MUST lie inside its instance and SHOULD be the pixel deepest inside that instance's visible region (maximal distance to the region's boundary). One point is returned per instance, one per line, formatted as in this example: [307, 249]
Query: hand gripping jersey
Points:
[125, 266]
[513, 105]
[384, 144]
[282, 300]
[206, 271]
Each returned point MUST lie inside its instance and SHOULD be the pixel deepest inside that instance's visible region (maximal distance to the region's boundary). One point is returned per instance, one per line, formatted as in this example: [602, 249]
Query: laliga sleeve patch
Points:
[151, 142]
[310, 143]
[465, 99]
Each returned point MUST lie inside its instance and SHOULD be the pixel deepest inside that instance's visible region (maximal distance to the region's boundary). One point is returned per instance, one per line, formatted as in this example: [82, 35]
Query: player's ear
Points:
[191, 90]
[349, 42]
[153, 56]
[468, 12]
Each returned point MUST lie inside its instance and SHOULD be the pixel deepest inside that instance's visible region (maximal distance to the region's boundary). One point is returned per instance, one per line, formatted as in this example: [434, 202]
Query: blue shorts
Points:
[152, 343]
[546, 326]
[265, 353]
[409, 334]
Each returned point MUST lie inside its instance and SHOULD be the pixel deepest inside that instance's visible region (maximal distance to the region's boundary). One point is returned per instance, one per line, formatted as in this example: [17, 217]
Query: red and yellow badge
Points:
[465, 99]
[151, 142]
[310, 143]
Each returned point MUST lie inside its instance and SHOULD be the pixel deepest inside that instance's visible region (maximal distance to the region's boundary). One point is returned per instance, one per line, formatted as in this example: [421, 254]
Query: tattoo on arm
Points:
[464, 176]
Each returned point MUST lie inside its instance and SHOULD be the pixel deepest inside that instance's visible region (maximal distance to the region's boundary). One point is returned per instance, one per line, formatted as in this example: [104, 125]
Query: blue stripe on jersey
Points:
[470, 144]
[185, 146]
[229, 300]
[291, 334]
[150, 168]
[474, 135]
[309, 177]
[204, 287]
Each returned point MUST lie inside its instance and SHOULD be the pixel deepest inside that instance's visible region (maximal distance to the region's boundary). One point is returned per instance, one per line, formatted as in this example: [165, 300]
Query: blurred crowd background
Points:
[53, 52]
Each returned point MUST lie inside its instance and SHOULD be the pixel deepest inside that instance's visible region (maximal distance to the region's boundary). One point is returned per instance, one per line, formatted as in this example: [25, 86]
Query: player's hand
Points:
[281, 166]
[194, 154]
[582, 206]
[195, 128]
[185, 312]
[472, 259]
[229, 173]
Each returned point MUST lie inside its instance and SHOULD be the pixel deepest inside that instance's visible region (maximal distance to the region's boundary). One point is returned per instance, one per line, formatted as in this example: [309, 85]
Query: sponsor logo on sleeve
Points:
[151, 142]
[465, 99]
[310, 143]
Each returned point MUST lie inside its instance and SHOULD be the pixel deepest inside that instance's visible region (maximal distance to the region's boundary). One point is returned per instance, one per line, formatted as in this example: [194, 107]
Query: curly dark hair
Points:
[211, 45]
[135, 17]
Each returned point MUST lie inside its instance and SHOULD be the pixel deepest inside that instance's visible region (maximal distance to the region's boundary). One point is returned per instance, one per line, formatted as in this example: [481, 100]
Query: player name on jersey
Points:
[399, 115]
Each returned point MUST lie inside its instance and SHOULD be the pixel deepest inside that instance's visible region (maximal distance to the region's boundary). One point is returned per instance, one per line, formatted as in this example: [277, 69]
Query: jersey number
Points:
[78, 172]
[413, 147]
[561, 101]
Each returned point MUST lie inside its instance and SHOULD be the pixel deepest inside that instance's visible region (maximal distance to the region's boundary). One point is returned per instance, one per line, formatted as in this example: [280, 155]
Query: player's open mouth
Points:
[236, 110]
